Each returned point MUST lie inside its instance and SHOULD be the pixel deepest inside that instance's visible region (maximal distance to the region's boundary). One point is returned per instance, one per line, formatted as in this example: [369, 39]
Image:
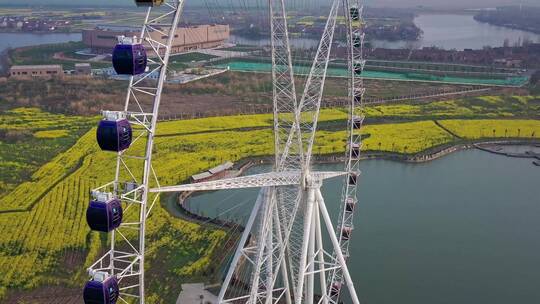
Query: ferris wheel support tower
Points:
[281, 252]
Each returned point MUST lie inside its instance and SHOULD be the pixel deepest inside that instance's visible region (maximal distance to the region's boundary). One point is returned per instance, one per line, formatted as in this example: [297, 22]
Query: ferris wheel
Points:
[281, 252]
[121, 207]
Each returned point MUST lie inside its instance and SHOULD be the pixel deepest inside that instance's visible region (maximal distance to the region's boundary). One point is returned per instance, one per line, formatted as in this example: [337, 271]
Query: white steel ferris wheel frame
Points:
[282, 244]
[356, 92]
[125, 259]
[281, 250]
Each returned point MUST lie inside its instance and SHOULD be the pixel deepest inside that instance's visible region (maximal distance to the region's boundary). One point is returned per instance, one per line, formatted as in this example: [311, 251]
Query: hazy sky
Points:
[385, 3]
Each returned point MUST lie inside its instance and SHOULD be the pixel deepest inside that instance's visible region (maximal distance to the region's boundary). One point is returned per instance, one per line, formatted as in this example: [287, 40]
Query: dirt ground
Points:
[47, 295]
[228, 93]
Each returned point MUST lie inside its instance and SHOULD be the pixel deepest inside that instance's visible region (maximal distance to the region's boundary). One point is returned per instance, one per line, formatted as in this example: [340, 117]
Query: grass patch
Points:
[178, 251]
[190, 57]
[43, 54]
[29, 138]
[475, 129]
[51, 134]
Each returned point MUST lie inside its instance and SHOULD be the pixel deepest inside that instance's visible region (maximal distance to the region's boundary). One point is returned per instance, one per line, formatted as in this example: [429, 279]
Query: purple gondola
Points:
[104, 216]
[355, 13]
[334, 291]
[357, 40]
[350, 204]
[355, 151]
[352, 179]
[129, 56]
[114, 134]
[358, 67]
[98, 291]
[357, 122]
[346, 233]
[148, 3]
[358, 97]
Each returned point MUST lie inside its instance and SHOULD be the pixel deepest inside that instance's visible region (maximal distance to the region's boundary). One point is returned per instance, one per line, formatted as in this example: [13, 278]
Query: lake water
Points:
[448, 31]
[14, 40]
[454, 31]
[462, 229]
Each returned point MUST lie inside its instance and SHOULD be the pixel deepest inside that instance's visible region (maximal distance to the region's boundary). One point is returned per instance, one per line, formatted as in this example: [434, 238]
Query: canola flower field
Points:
[43, 218]
[30, 137]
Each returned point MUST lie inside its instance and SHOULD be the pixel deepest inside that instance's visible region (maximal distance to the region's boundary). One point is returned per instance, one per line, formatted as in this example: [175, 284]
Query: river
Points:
[14, 40]
[448, 31]
[459, 31]
[461, 229]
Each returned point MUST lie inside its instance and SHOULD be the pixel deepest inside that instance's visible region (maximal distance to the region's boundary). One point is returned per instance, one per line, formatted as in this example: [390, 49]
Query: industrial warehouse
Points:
[102, 40]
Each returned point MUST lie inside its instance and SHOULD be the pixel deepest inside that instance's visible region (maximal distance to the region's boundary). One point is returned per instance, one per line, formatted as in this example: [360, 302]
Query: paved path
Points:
[191, 294]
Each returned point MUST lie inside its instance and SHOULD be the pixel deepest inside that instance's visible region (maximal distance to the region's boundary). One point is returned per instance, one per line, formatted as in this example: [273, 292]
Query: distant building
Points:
[102, 40]
[25, 71]
[83, 69]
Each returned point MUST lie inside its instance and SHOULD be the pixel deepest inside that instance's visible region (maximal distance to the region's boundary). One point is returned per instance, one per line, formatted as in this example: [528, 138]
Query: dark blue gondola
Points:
[358, 67]
[334, 291]
[350, 204]
[358, 97]
[355, 151]
[352, 179]
[101, 292]
[357, 122]
[114, 135]
[357, 41]
[346, 233]
[129, 57]
[104, 216]
[148, 3]
[355, 13]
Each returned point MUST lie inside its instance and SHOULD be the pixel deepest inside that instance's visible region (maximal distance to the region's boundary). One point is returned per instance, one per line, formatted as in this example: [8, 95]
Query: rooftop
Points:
[221, 168]
[200, 176]
[29, 67]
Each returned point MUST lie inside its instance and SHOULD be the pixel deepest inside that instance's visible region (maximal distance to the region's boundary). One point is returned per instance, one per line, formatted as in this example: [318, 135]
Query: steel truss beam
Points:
[272, 179]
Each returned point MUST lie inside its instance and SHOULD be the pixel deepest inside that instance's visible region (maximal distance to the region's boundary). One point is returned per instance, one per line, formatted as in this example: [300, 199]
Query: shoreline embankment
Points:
[422, 157]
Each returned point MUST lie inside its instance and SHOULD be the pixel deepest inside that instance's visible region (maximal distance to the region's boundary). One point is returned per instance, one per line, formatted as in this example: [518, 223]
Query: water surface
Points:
[448, 31]
[453, 31]
[462, 229]
[15, 40]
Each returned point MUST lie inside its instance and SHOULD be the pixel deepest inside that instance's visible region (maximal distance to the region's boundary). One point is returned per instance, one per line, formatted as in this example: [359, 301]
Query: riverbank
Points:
[179, 208]
[513, 17]
[429, 154]
[4, 62]
[458, 209]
